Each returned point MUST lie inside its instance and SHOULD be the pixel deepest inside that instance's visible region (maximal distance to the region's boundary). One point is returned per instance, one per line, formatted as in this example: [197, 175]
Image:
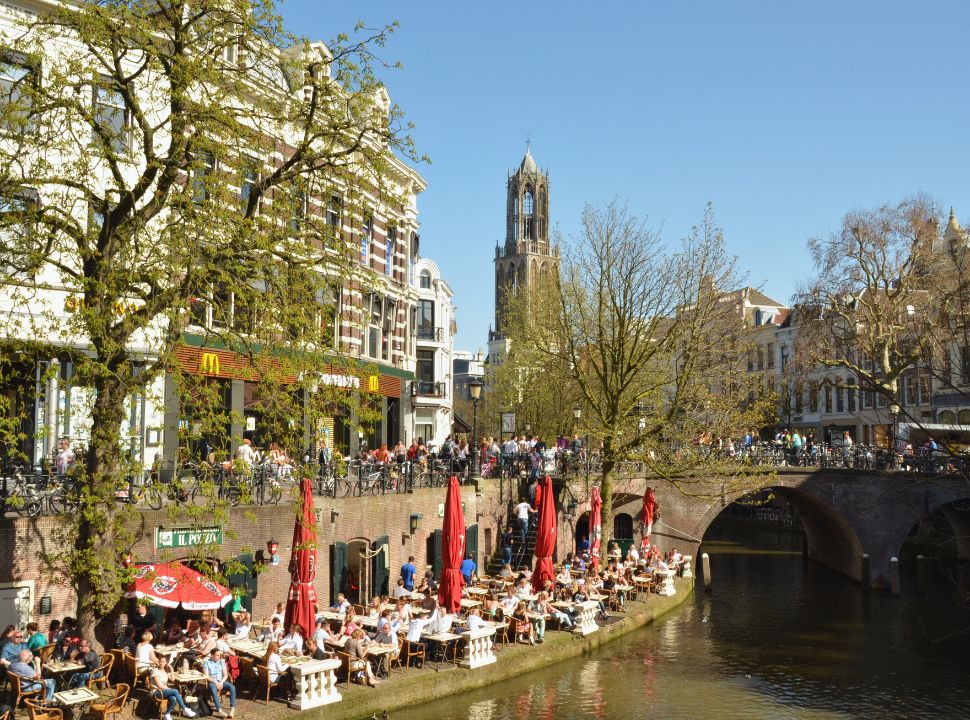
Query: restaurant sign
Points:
[173, 538]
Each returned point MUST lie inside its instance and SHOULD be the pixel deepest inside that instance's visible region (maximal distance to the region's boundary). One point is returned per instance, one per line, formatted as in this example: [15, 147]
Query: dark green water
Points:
[774, 639]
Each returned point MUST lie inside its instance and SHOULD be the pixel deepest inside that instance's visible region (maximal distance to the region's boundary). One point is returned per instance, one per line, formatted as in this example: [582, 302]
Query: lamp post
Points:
[894, 411]
[475, 388]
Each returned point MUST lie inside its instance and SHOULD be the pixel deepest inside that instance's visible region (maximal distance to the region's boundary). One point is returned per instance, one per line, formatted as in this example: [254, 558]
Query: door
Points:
[244, 579]
[16, 603]
[338, 567]
[471, 542]
[434, 556]
[379, 569]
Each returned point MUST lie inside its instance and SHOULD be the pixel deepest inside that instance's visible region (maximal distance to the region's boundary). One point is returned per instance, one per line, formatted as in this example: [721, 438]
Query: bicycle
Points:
[62, 496]
[23, 499]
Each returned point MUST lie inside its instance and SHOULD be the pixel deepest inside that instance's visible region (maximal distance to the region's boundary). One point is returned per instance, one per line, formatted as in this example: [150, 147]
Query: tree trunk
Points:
[96, 564]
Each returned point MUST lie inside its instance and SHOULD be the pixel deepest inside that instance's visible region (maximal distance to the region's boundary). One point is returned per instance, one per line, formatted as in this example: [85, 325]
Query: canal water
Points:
[776, 638]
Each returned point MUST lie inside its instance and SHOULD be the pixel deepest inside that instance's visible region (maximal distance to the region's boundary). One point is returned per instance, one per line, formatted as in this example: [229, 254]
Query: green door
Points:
[471, 542]
[436, 553]
[244, 580]
[338, 569]
[379, 567]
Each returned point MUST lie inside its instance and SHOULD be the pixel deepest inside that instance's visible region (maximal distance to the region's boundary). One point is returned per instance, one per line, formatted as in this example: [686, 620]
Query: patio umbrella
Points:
[649, 508]
[595, 527]
[174, 584]
[545, 537]
[452, 549]
[303, 566]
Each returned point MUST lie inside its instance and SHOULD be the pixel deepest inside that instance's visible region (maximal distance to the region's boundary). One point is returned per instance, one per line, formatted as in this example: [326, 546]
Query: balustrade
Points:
[316, 684]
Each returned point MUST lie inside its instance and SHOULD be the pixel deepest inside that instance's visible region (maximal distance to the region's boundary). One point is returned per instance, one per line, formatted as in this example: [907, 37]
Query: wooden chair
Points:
[39, 712]
[359, 610]
[115, 705]
[262, 678]
[393, 658]
[409, 651]
[118, 666]
[156, 696]
[44, 653]
[18, 689]
[99, 678]
[247, 671]
[131, 670]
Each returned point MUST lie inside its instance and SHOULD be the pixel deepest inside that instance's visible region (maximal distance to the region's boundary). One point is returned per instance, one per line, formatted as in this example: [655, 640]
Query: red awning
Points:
[545, 536]
[174, 584]
[452, 549]
[303, 566]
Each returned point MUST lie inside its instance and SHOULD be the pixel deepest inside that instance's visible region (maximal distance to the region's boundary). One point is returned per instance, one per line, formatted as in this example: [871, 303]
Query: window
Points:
[528, 213]
[623, 527]
[425, 320]
[850, 394]
[389, 252]
[17, 78]
[799, 400]
[827, 390]
[750, 360]
[813, 397]
[425, 280]
[333, 211]
[425, 366]
[248, 180]
[784, 358]
[297, 206]
[366, 234]
[761, 358]
[374, 339]
[112, 117]
[965, 365]
[205, 167]
[770, 351]
[22, 204]
[839, 399]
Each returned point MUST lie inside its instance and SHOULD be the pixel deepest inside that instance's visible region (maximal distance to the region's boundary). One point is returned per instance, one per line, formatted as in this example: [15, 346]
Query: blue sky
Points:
[784, 115]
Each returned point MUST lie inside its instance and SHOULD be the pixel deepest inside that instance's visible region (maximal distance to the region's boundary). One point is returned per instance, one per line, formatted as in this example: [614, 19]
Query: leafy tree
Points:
[647, 338]
[167, 164]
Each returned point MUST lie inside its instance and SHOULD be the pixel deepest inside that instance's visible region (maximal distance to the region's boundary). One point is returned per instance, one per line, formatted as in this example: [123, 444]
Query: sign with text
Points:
[508, 423]
[174, 538]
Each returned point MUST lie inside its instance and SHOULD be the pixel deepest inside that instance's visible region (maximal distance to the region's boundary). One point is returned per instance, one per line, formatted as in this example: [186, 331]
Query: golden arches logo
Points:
[374, 383]
[209, 364]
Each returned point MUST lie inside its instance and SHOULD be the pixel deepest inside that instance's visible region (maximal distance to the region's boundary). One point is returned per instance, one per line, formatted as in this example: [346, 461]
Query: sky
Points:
[783, 115]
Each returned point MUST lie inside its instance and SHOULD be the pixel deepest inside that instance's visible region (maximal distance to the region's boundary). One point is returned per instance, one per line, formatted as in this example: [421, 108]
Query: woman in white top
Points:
[402, 612]
[274, 662]
[292, 644]
[564, 577]
[244, 625]
[145, 657]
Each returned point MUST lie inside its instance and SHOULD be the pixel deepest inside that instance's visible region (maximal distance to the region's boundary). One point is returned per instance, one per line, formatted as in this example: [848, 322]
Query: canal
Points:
[776, 638]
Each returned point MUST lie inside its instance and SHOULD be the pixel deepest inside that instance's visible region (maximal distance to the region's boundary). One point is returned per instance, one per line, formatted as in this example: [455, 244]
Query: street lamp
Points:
[894, 411]
[528, 428]
[475, 388]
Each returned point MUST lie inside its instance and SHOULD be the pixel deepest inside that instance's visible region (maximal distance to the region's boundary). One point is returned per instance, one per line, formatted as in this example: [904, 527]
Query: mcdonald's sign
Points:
[374, 383]
[209, 364]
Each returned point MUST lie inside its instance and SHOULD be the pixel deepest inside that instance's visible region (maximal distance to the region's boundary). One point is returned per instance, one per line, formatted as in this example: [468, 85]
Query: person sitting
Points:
[386, 629]
[274, 663]
[374, 607]
[222, 642]
[214, 668]
[314, 651]
[632, 555]
[543, 605]
[145, 657]
[342, 606]
[12, 647]
[357, 651]
[564, 577]
[35, 638]
[348, 626]
[84, 655]
[523, 626]
[441, 621]
[402, 611]
[292, 644]
[609, 586]
[280, 613]
[244, 625]
[206, 642]
[23, 668]
[322, 633]
[401, 591]
[506, 571]
[509, 603]
[160, 682]
[273, 633]
[175, 634]
[523, 588]
[492, 606]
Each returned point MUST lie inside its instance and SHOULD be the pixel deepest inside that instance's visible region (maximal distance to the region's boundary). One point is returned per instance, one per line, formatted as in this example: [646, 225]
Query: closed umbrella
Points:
[452, 549]
[174, 584]
[595, 527]
[303, 566]
[649, 509]
[545, 537]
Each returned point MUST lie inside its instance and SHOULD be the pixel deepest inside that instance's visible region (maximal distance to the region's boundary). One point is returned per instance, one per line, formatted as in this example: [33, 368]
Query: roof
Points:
[756, 297]
[528, 164]
[953, 230]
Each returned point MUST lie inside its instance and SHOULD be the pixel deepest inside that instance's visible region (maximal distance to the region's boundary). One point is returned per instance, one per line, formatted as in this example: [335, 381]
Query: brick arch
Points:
[958, 518]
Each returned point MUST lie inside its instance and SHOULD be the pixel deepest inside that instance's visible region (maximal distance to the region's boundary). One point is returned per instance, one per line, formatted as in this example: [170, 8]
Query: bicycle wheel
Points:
[357, 489]
[153, 495]
[31, 507]
[200, 495]
[275, 494]
[60, 503]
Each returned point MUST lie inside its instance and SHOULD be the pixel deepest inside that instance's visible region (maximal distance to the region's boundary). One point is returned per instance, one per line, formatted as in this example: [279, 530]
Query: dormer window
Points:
[424, 281]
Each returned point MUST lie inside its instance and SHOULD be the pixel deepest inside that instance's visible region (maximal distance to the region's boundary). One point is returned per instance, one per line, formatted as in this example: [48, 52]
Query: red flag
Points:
[545, 537]
[303, 567]
[452, 549]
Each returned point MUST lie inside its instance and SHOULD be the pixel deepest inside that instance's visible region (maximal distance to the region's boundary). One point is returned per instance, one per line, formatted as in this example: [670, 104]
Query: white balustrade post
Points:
[667, 587]
[586, 618]
[316, 683]
[478, 648]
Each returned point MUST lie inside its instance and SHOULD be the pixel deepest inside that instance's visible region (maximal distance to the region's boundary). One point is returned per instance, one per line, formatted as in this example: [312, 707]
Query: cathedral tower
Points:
[527, 254]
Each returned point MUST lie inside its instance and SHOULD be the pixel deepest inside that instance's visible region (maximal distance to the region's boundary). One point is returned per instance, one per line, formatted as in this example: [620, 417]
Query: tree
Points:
[649, 340]
[870, 308]
[167, 163]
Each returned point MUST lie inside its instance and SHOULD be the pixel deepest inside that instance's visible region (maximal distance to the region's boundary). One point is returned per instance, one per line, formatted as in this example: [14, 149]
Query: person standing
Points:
[468, 569]
[522, 512]
[507, 545]
[408, 571]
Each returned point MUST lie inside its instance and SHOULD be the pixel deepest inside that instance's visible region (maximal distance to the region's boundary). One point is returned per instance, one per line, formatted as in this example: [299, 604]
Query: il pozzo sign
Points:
[173, 538]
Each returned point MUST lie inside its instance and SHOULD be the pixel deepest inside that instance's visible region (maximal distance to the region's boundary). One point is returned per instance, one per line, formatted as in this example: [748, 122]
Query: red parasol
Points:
[303, 566]
[649, 506]
[545, 537]
[595, 527]
[174, 584]
[452, 550]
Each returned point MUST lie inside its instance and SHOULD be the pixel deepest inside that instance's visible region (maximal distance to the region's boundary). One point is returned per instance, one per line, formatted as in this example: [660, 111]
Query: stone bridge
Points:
[845, 513]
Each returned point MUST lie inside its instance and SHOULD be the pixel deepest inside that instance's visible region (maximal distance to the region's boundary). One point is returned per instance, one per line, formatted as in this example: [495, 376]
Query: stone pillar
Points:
[316, 683]
[478, 648]
[586, 618]
[706, 571]
[666, 587]
[687, 571]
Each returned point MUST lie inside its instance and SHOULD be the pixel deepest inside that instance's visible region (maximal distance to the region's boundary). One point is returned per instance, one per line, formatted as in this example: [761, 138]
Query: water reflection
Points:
[775, 639]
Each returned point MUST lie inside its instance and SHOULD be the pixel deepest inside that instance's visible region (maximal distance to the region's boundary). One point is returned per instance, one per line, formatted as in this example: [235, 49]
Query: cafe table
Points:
[481, 592]
[74, 701]
[444, 639]
[61, 668]
[468, 603]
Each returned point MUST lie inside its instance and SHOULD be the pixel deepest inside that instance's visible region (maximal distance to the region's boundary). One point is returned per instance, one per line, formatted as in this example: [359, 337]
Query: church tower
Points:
[527, 254]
